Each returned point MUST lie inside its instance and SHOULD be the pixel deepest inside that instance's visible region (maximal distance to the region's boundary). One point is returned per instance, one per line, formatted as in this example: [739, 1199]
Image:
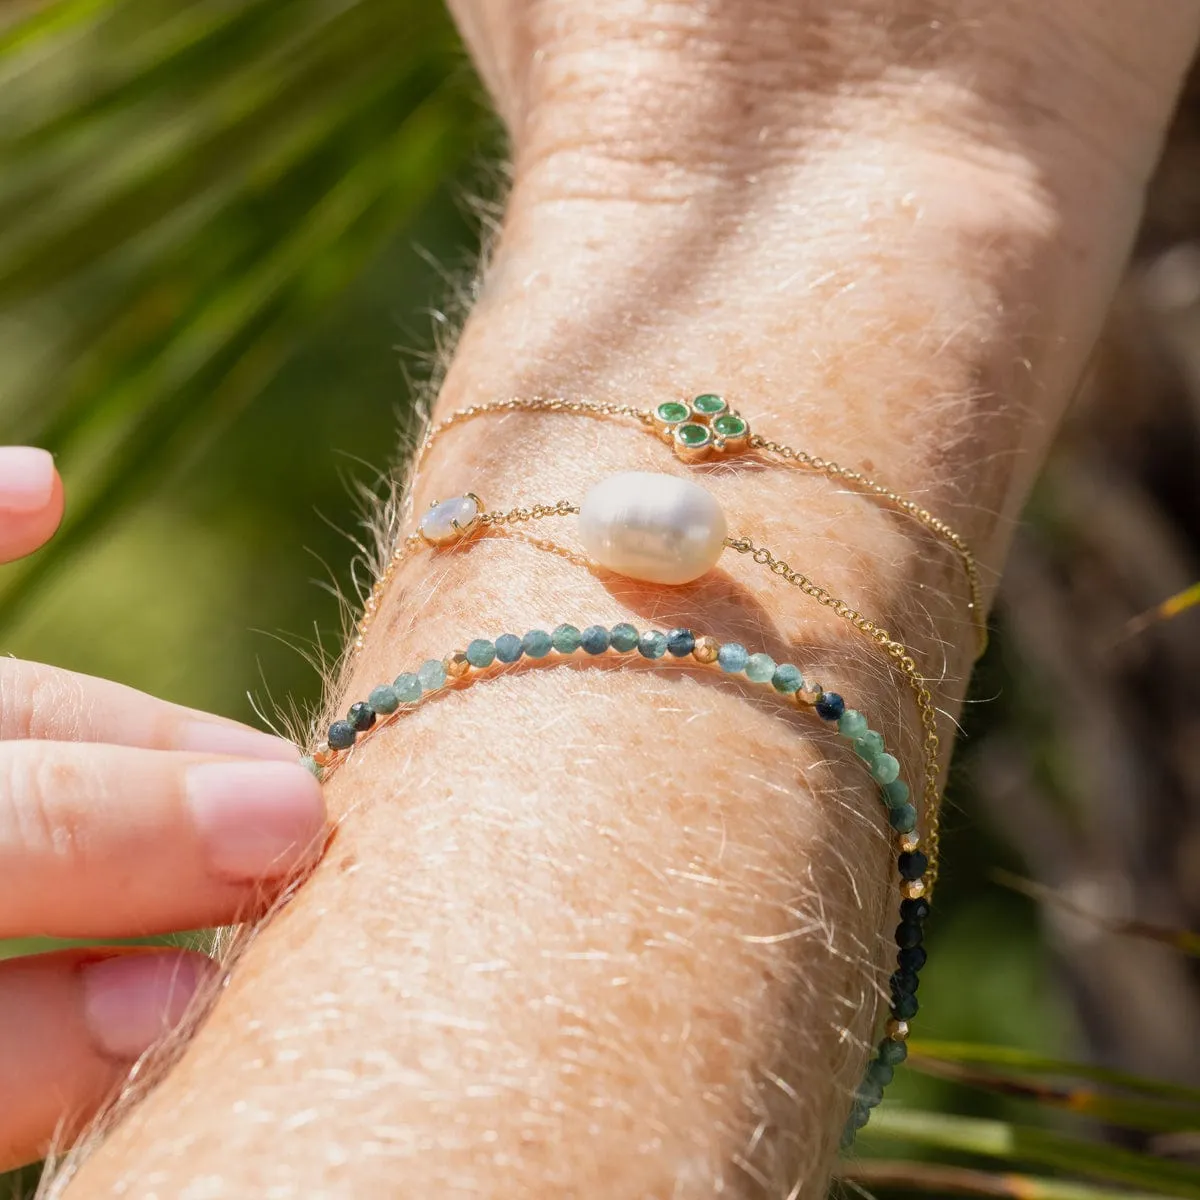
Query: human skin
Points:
[623, 933]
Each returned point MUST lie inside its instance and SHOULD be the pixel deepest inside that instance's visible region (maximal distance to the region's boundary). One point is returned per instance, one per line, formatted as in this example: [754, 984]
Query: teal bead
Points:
[852, 724]
[383, 699]
[431, 676]
[733, 657]
[595, 639]
[885, 768]
[760, 668]
[623, 638]
[870, 1093]
[508, 647]
[537, 643]
[881, 1073]
[896, 793]
[869, 746]
[652, 644]
[903, 819]
[565, 639]
[892, 1053]
[481, 653]
[787, 679]
[408, 687]
[310, 765]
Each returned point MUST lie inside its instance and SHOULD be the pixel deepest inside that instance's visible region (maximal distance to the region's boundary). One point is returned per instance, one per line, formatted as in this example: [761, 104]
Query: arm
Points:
[604, 933]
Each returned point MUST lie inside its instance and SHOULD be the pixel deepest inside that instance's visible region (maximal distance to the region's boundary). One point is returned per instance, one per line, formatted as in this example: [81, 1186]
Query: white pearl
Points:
[448, 520]
[653, 527]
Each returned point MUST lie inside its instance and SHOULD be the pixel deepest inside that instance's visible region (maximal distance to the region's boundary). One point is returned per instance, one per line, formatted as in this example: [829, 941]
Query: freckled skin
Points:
[605, 933]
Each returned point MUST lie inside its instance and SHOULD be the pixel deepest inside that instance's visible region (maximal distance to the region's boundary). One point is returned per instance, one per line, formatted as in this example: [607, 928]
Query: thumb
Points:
[31, 500]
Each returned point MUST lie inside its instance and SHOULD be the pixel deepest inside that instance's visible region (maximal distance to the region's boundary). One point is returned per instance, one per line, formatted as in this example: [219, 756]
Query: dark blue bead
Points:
[341, 735]
[681, 642]
[361, 716]
[914, 910]
[508, 648]
[594, 639]
[892, 1053]
[881, 1073]
[913, 864]
[904, 983]
[905, 1008]
[909, 934]
[830, 706]
[912, 958]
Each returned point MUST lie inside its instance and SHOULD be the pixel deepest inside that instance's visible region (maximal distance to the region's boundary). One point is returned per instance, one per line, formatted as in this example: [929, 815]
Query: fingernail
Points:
[26, 478]
[211, 737]
[132, 1001]
[257, 819]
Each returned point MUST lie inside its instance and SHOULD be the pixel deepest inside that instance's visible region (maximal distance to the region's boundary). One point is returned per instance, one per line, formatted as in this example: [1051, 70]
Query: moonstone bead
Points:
[448, 520]
[657, 528]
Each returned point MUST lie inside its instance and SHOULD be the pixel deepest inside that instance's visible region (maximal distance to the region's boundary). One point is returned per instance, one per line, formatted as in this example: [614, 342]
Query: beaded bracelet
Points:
[706, 427]
[389, 701]
[663, 529]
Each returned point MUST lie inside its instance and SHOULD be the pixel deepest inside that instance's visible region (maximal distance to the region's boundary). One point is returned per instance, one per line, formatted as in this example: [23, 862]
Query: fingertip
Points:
[28, 479]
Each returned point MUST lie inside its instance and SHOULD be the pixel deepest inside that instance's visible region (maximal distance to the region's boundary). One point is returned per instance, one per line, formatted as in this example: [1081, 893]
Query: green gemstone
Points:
[481, 653]
[693, 436]
[383, 699]
[896, 793]
[760, 668]
[869, 746]
[709, 405]
[885, 768]
[730, 425]
[431, 676]
[408, 687]
[624, 638]
[787, 679]
[903, 819]
[852, 724]
[565, 639]
[671, 412]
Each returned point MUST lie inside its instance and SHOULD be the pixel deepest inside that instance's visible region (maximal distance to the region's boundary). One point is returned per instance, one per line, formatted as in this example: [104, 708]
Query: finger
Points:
[31, 500]
[43, 702]
[105, 841]
[71, 1025]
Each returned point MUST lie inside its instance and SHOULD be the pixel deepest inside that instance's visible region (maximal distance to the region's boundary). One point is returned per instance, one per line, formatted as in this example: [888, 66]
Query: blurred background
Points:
[229, 231]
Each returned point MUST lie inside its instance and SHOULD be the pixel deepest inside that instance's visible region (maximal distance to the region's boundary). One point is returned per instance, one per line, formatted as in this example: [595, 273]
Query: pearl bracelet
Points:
[387, 702]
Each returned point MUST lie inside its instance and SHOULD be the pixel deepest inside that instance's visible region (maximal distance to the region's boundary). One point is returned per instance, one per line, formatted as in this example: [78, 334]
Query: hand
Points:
[120, 816]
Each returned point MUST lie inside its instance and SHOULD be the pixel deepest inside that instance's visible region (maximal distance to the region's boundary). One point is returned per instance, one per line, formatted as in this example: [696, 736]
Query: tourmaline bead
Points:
[892, 1053]
[341, 735]
[906, 1007]
[869, 746]
[624, 638]
[565, 639]
[881, 1073]
[508, 648]
[408, 687]
[860, 1114]
[733, 657]
[383, 699]
[912, 958]
[681, 642]
[760, 668]
[909, 934]
[537, 643]
[896, 793]
[903, 819]
[652, 644]
[913, 865]
[885, 768]
[787, 679]
[830, 707]
[594, 639]
[431, 676]
[904, 983]
[481, 653]
[852, 724]
[361, 716]
[914, 910]
[870, 1093]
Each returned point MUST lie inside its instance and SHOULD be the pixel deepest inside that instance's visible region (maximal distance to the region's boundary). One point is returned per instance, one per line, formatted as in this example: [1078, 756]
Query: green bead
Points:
[537, 643]
[481, 653]
[652, 644]
[760, 668]
[709, 405]
[852, 724]
[870, 1093]
[896, 793]
[904, 819]
[869, 746]
[624, 638]
[787, 679]
[408, 687]
[693, 436]
[881, 1073]
[671, 412]
[892, 1053]
[730, 426]
[383, 699]
[885, 768]
[565, 639]
[733, 657]
[310, 765]
[432, 675]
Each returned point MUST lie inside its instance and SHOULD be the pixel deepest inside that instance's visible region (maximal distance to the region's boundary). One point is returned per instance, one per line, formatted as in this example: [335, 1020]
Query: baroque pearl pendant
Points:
[657, 528]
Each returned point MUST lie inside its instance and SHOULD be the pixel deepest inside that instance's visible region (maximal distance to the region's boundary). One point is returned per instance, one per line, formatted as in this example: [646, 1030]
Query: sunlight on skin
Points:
[621, 933]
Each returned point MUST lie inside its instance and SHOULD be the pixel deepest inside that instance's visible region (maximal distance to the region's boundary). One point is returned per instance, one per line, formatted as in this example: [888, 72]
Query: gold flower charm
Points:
[705, 427]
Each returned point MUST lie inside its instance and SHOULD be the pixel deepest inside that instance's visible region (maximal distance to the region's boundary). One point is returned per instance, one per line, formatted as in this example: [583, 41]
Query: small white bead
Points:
[657, 528]
[448, 520]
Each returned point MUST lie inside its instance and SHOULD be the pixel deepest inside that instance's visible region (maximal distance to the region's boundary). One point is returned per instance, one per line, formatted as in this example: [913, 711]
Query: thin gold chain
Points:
[801, 458]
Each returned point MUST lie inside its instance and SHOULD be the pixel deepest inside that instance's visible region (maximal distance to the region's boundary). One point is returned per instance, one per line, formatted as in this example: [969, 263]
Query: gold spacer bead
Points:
[706, 650]
[358, 642]
[809, 694]
[456, 664]
[912, 889]
[323, 755]
[897, 1030]
[908, 842]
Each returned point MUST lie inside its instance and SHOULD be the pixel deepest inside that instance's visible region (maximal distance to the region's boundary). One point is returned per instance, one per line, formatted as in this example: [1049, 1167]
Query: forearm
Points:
[593, 930]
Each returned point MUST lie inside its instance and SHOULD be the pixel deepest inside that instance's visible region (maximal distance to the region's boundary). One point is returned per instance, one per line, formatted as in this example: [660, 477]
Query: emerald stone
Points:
[481, 653]
[672, 412]
[852, 724]
[709, 405]
[408, 687]
[383, 699]
[885, 769]
[565, 639]
[693, 436]
[787, 679]
[730, 425]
